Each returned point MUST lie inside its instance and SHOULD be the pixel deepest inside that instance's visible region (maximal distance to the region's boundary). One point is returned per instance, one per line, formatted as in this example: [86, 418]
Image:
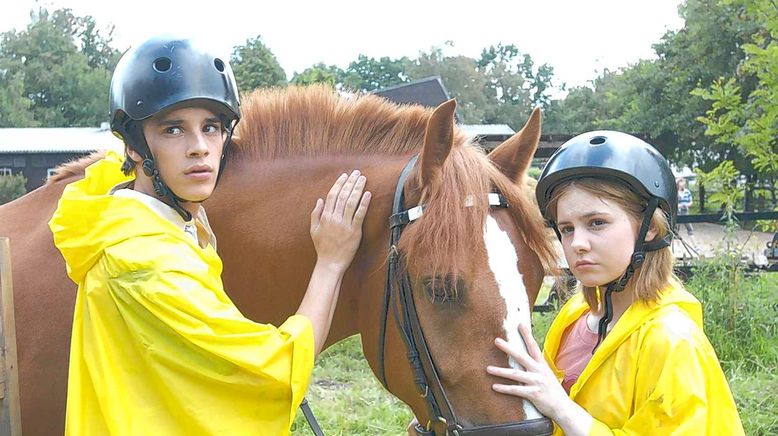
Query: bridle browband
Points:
[398, 295]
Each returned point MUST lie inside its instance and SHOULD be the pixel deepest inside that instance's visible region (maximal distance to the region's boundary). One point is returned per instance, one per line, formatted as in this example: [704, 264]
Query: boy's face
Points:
[187, 146]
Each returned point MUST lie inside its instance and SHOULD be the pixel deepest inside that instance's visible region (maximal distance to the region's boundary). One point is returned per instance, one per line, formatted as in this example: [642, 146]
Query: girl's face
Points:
[598, 236]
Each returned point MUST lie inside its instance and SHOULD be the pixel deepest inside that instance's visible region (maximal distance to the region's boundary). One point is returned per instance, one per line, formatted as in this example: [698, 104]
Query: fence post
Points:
[10, 412]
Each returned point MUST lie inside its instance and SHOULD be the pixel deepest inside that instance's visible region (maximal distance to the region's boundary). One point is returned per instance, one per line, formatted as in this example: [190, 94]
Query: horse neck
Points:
[261, 216]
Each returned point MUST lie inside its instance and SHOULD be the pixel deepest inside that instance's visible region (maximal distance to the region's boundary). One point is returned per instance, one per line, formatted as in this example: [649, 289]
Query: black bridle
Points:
[399, 296]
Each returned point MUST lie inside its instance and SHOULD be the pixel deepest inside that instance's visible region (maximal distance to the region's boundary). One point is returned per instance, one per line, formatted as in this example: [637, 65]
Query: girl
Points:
[627, 354]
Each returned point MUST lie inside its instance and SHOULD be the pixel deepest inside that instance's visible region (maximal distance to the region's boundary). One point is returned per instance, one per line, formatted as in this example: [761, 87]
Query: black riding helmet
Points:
[159, 74]
[623, 158]
[610, 155]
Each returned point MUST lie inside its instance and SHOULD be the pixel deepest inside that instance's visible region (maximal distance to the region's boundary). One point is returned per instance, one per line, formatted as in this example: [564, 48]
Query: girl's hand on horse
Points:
[537, 383]
[336, 223]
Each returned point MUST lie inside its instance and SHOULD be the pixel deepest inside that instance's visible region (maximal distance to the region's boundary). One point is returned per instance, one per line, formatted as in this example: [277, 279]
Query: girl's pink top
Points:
[575, 351]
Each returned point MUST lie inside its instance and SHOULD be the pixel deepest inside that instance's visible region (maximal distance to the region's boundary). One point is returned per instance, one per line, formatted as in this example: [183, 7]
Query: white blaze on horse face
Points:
[504, 265]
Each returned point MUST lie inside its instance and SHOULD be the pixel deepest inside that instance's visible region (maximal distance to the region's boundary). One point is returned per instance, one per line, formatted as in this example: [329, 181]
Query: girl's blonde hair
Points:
[656, 273]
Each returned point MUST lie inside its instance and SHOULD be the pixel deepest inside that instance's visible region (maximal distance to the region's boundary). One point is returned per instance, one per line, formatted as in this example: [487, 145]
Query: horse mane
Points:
[74, 168]
[315, 120]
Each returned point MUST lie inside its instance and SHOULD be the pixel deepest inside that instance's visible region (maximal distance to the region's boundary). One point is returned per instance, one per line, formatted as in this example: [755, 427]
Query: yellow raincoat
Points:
[158, 348]
[655, 373]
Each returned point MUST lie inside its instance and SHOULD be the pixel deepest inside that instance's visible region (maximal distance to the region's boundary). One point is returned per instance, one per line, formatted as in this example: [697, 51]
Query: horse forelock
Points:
[449, 237]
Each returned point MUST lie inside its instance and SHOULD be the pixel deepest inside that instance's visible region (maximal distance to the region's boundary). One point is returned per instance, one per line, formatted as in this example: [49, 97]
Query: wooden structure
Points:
[35, 152]
[10, 407]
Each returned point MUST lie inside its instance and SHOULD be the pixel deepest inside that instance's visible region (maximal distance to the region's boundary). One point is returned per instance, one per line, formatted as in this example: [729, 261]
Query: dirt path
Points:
[711, 239]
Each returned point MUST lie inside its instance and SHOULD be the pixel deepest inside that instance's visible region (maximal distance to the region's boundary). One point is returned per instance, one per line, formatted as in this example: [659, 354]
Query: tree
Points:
[744, 112]
[14, 106]
[255, 66]
[707, 47]
[370, 74]
[654, 97]
[513, 85]
[461, 77]
[319, 73]
[12, 187]
[746, 117]
[578, 112]
[58, 70]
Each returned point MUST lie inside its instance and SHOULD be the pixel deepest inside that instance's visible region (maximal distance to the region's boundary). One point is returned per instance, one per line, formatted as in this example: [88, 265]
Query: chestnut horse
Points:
[290, 146]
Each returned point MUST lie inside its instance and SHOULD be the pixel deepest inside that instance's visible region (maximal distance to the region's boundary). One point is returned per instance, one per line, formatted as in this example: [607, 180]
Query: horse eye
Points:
[444, 289]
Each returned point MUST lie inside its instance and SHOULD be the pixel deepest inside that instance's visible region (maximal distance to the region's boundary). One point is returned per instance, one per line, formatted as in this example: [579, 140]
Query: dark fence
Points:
[717, 217]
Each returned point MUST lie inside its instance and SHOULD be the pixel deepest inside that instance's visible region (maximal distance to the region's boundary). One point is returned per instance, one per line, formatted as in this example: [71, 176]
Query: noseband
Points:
[398, 295]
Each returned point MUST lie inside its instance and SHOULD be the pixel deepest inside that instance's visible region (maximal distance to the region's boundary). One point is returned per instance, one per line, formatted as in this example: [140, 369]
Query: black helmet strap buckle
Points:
[162, 190]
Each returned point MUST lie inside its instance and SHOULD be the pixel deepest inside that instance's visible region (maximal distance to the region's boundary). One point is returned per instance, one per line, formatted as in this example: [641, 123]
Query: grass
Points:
[348, 400]
[756, 395]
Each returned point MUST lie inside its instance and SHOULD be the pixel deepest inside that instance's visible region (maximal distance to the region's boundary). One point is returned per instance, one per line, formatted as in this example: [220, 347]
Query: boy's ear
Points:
[130, 160]
[132, 154]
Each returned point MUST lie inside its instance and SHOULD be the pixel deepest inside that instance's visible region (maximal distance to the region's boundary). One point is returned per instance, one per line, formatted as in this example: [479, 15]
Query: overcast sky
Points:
[579, 38]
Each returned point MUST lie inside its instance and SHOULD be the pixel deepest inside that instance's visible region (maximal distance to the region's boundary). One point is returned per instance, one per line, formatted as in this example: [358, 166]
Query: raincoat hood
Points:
[89, 219]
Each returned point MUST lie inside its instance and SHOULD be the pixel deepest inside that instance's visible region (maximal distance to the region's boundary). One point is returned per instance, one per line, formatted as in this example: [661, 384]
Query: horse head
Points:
[471, 260]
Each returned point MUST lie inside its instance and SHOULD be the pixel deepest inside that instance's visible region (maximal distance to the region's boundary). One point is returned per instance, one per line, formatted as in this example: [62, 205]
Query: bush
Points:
[534, 172]
[12, 187]
[739, 312]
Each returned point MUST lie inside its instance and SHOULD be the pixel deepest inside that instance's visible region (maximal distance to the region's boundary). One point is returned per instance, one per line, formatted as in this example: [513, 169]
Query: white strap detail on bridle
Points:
[415, 213]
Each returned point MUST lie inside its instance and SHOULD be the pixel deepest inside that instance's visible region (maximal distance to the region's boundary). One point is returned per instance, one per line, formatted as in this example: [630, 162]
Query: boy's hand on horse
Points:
[336, 223]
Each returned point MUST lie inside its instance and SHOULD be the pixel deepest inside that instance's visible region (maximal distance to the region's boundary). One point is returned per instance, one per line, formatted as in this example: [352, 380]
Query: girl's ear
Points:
[651, 233]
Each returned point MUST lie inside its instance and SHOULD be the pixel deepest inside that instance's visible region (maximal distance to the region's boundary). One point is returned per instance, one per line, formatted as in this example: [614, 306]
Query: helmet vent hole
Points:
[162, 65]
[597, 140]
[219, 64]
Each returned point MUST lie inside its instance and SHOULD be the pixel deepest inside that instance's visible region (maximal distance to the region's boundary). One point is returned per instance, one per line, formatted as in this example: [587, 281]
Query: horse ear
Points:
[438, 140]
[514, 155]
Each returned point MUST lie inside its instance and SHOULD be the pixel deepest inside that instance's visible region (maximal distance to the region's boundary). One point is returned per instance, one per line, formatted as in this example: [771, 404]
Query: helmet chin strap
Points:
[638, 257]
[162, 190]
